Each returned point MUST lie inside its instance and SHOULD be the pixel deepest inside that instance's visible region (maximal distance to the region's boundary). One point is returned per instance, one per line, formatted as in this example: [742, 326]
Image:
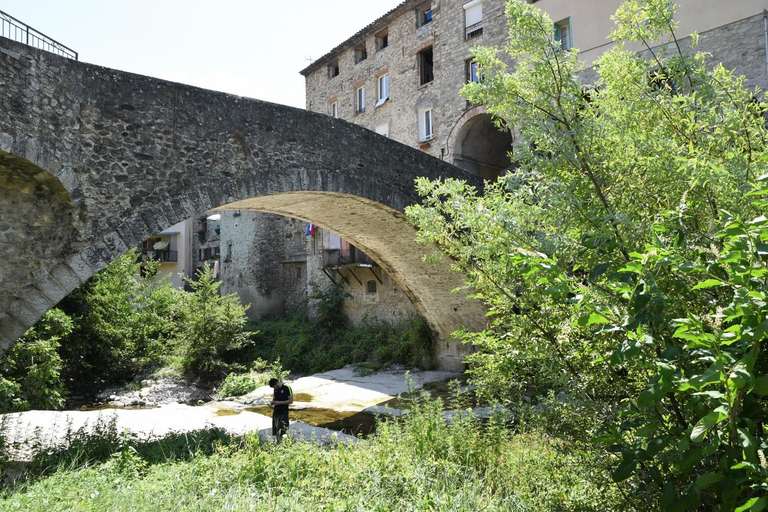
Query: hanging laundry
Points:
[216, 269]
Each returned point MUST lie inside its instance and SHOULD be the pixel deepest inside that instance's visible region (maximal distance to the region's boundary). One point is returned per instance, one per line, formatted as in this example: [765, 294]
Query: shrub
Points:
[30, 371]
[237, 385]
[212, 327]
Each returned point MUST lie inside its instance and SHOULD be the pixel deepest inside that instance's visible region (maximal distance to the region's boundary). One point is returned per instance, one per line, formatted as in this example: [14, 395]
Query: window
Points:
[426, 131]
[473, 19]
[383, 86]
[383, 129]
[472, 73]
[360, 53]
[360, 100]
[333, 69]
[333, 109]
[371, 286]
[426, 66]
[382, 39]
[563, 34]
[424, 14]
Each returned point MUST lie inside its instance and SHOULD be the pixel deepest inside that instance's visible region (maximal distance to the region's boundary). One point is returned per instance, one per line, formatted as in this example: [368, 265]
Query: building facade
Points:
[400, 76]
[172, 249]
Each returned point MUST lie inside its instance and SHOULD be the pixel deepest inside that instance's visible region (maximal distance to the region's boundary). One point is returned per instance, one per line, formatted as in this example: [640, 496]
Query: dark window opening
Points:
[360, 54]
[333, 69]
[382, 39]
[426, 66]
[424, 14]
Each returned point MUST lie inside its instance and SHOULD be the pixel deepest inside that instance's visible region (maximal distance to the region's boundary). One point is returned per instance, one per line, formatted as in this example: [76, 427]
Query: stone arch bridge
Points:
[94, 160]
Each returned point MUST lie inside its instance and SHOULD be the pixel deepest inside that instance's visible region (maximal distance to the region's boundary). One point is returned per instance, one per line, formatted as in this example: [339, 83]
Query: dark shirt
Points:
[282, 394]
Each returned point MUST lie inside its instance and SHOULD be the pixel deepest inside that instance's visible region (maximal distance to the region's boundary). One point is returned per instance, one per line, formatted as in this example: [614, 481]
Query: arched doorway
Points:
[481, 148]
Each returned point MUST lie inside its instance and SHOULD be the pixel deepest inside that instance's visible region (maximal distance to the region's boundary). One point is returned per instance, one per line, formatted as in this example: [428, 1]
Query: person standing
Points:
[283, 397]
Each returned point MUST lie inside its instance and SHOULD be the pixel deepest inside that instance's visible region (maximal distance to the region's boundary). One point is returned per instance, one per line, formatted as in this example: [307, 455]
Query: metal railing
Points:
[335, 258]
[473, 30]
[19, 31]
[165, 256]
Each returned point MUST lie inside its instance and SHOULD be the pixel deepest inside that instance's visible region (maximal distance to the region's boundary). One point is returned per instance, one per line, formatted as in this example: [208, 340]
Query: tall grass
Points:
[416, 463]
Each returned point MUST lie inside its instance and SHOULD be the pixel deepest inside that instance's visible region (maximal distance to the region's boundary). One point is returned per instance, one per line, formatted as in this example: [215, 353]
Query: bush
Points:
[30, 371]
[303, 348]
[212, 328]
[122, 325]
[237, 385]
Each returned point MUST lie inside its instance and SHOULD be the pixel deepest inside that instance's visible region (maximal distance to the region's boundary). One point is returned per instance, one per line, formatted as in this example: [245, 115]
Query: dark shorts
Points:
[279, 424]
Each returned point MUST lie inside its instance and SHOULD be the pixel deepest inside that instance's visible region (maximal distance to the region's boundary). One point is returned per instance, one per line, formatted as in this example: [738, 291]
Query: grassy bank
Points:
[418, 463]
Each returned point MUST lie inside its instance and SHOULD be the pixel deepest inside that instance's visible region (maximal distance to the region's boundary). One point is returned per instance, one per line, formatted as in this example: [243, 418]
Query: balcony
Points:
[164, 256]
[336, 258]
[474, 30]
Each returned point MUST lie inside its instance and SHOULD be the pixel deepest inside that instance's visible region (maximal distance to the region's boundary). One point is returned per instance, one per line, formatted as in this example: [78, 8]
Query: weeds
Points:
[418, 462]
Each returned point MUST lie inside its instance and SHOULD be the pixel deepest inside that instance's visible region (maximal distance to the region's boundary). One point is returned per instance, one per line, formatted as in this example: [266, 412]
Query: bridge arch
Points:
[129, 156]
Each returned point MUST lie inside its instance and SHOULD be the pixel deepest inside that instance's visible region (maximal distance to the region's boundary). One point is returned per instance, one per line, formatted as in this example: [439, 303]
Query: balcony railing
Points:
[166, 256]
[334, 258]
[18, 31]
[474, 30]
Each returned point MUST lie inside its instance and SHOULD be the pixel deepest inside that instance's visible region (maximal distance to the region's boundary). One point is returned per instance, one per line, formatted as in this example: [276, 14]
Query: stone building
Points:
[172, 249]
[400, 76]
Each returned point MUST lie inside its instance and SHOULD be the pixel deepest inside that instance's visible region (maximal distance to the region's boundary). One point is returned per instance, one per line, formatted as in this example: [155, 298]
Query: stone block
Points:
[51, 289]
[10, 331]
[66, 277]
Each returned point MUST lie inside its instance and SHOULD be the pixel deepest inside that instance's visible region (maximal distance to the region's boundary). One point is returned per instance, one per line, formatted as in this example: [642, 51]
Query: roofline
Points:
[360, 35]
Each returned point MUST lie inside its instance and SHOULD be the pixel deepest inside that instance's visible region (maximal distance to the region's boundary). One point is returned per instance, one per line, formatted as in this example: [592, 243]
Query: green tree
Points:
[211, 329]
[606, 234]
[124, 320]
[101, 351]
[155, 317]
[30, 371]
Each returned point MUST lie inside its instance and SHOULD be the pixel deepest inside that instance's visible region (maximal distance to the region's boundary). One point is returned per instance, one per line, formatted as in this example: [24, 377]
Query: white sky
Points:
[252, 48]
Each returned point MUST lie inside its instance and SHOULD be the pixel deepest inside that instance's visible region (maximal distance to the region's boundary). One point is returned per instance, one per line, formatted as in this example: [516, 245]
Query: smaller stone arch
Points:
[478, 146]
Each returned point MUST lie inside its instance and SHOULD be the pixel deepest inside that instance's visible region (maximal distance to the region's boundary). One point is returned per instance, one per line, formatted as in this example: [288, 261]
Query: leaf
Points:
[592, 318]
[740, 376]
[753, 505]
[689, 459]
[632, 266]
[709, 479]
[710, 375]
[624, 471]
[705, 424]
[761, 386]
[709, 283]
[598, 271]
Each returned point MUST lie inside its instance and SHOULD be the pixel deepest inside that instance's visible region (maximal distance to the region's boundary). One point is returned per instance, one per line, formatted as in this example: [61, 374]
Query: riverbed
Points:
[330, 400]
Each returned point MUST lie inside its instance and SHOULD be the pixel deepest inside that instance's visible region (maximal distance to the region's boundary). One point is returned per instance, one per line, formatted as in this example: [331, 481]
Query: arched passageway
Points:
[481, 148]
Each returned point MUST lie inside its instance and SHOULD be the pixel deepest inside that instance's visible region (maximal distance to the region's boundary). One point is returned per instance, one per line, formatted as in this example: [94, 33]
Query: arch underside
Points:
[384, 234]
